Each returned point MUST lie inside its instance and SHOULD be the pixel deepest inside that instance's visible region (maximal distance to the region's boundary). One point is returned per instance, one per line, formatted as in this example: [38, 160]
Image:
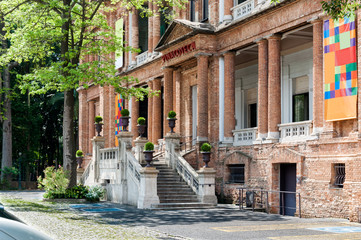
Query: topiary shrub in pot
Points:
[206, 153]
[148, 153]
[141, 126]
[124, 119]
[98, 124]
[79, 157]
[171, 120]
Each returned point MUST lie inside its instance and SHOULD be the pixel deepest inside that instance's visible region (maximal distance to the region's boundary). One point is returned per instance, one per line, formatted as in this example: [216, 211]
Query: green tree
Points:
[79, 28]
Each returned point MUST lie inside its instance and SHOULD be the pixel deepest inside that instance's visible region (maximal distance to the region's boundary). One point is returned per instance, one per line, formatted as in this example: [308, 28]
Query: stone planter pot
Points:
[148, 157]
[171, 124]
[79, 161]
[125, 123]
[206, 158]
[98, 128]
[141, 129]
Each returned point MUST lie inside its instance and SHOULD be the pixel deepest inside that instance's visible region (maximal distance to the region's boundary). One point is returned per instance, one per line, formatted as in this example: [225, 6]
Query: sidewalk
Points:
[116, 221]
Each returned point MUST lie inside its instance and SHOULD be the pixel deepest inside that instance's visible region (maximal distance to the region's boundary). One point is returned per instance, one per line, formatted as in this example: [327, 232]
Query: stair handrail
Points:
[186, 171]
[185, 143]
[85, 174]
[134, 167]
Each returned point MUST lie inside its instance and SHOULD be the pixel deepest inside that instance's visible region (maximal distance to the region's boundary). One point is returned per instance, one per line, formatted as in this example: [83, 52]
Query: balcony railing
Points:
[141, 58]
[243, 9]
[244, 137]
[298, 131]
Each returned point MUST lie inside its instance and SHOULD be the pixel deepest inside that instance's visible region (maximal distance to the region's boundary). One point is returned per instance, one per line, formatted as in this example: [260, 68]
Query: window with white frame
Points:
[246, 97]
[296, 86]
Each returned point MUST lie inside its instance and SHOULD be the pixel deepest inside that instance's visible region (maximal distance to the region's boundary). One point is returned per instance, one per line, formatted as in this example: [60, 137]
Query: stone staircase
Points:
[173, 192]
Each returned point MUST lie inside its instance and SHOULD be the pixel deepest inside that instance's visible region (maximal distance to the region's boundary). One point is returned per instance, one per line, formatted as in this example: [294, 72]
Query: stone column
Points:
[157, 112]
[229, 96]
[274, 87]
[317, 76]
[150, 30]
[228, 4]
[134, 116]
[202, 97]
[135, 35]
[148, 188]
[262, 110]
[83, 121]
[207, 192]
[125, 145]
[150, 113]
[156, 26]
[91, 116]
[168, 96]
[178, 99]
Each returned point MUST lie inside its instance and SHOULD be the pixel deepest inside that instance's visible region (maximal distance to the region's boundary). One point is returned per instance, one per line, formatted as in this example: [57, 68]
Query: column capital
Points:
[315, 20]
[168, 68]
[276, 36]
[260, 40]
[203, 54]
[228, 52]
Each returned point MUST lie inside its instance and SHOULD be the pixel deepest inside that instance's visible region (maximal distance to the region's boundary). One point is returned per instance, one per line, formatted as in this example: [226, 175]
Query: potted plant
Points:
[124, 119]
[98, 124]
[206, 153]
[148, 153]
[141, 126]
[171, 120]
[79, 158]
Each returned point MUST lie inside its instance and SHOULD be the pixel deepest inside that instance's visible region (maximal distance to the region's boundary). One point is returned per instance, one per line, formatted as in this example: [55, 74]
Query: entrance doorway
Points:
[288, 183]
[143, 112]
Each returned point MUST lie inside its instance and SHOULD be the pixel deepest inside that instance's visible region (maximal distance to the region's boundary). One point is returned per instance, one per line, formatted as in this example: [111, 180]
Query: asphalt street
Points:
[222, 222]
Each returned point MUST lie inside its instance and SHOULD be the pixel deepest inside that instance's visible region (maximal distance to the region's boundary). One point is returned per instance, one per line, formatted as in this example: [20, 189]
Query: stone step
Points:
[180, 206]
[175, 192]
[169, 179]
[178, 197]
[178, 200]
[170, 186]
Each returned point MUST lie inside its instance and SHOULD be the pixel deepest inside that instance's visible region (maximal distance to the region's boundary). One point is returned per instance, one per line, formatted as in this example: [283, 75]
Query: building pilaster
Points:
[156, 26]
[134, 117]
[274, 87]
[228, 4]
[135, 35]
[91, 109]
[178, 98]
[150, 30]
[150, 113]
[168, 96]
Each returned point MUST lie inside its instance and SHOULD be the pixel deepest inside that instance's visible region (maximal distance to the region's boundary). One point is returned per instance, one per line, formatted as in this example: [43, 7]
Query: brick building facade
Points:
[247, 76]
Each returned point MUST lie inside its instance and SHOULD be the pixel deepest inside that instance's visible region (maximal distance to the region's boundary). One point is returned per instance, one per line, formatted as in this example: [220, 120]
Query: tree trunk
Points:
[69, 159]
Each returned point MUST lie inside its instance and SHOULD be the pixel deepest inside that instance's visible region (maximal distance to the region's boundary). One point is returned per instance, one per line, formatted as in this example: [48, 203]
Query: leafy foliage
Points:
[172, 114]
[94, 193]
[149, 146]
[54, 182]
[141, 121]
[77, 192]
[98, 119]
[79, 153]
[124, 112]
[206, 147]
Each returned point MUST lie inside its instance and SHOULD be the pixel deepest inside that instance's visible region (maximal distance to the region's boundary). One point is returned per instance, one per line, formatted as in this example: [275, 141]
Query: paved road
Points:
[223, 222]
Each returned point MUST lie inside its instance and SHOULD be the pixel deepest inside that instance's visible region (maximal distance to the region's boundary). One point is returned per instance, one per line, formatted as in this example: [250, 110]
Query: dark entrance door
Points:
[288, 183]
[143, 112]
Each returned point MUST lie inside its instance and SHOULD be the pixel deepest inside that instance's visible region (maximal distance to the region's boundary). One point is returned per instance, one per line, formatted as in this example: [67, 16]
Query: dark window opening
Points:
[205, 10]
[236, 173]
[252, 115]
[300, 107]
[164, 23]
[340, 173]
[241, 1]
[143, 33]
[192, 11]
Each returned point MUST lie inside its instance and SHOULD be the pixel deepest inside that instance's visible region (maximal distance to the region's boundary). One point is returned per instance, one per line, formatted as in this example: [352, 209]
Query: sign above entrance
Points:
[179, 52]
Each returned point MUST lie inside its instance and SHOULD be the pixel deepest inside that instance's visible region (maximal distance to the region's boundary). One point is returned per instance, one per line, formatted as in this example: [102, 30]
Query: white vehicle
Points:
[13, 230]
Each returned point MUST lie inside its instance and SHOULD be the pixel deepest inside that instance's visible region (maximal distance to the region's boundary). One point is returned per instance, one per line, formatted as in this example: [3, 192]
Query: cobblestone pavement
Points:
[114, 221]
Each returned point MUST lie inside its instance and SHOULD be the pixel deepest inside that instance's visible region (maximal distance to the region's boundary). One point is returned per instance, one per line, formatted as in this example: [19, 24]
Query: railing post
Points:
[172, 147]
[207, 192]
[252, 201]
[242, 198]
[299, 204]
[139, 148]
[125, 144]
[283, 203]
[267, 205]
[148, 188]
[98, 143]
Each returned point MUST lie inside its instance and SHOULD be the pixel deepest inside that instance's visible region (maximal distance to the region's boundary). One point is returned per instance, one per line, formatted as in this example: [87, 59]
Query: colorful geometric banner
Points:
[340, 69]
[119, 106]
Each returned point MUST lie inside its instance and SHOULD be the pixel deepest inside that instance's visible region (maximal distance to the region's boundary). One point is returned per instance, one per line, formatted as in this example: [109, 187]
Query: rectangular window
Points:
[252, 108]
[300, 107]
[143, 33]
[192, 11]
[340, 173]
[236, 173]
[205, 10]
